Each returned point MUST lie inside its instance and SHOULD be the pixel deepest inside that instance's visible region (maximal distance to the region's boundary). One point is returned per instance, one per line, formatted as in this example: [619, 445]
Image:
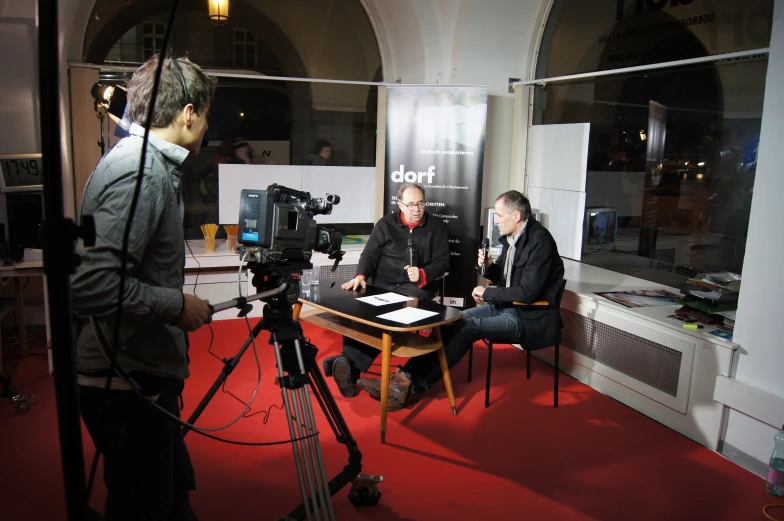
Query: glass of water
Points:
[314, 276]
[306, 277]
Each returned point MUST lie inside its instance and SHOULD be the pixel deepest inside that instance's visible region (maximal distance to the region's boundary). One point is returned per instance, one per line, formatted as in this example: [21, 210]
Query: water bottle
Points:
[774, 484]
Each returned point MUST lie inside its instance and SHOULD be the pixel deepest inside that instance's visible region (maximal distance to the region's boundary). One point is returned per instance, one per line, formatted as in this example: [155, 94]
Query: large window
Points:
[671, 151]
[264, 122]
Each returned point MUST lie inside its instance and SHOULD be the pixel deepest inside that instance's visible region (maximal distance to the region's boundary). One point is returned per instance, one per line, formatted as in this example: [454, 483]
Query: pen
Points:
[382, 299]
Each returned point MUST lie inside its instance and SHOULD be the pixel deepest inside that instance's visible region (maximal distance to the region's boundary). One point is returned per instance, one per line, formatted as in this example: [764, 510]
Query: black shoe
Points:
[326, 364]
[341, 372]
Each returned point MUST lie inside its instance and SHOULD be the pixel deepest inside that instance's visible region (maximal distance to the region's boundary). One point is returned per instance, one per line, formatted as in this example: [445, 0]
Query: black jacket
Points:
[386, 252]
[536, 275]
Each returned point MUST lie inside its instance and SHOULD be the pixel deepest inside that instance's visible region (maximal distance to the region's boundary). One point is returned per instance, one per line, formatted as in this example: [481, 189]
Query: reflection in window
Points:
[588, 36]
[671, 165]
[262, 122]
[244, 49]
[152, 38]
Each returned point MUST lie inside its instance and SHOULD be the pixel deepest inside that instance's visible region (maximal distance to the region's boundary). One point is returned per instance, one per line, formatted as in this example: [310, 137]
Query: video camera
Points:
[276, 226]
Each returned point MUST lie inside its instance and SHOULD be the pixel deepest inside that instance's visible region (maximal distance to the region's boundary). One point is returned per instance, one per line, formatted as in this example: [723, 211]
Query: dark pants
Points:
[361, 355]
[489, 321]
[146, 466]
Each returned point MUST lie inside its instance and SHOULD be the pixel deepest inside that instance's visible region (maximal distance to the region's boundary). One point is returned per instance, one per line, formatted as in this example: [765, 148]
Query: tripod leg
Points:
[287, 403]
[228, 367]
[315, 445]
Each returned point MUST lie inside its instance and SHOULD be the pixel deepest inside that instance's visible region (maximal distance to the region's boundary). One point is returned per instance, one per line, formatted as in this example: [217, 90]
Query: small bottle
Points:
[774, 484]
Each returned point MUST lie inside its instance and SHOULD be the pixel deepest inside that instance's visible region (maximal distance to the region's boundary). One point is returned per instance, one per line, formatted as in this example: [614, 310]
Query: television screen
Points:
[601, 225]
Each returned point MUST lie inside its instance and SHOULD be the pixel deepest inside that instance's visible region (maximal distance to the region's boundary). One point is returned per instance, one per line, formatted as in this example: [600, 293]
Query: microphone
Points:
[410, 248]
[485, 247]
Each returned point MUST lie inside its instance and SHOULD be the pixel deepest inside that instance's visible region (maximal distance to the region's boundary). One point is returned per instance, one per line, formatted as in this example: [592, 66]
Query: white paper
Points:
[407, 315]
[384, 299]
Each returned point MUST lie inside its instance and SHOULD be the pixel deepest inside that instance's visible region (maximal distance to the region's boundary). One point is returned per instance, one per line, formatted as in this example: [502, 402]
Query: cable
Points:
[127, 233]
[199, 430]
[196, 285]
[772, 505]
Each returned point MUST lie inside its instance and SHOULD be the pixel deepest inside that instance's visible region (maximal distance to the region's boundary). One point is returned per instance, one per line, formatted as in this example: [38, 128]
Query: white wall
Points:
[758, 327]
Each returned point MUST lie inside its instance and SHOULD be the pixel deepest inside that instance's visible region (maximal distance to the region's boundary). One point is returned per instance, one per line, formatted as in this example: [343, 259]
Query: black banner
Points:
[436, 137]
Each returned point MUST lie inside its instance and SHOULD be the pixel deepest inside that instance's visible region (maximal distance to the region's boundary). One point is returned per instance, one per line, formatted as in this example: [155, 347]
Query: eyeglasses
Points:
[411, 206]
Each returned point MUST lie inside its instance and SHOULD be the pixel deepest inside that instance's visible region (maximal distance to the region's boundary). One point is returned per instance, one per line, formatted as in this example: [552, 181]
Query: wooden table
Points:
[339, 311]
[17, 271]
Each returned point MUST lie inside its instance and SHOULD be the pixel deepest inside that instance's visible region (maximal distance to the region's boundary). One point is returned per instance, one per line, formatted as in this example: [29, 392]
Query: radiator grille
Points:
[648, 362]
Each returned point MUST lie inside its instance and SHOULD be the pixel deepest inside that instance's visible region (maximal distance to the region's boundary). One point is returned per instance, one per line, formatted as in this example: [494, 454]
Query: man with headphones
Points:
[147, 468]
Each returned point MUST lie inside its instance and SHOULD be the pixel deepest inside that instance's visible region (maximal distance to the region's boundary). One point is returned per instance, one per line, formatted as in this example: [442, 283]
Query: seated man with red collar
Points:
[387, 259]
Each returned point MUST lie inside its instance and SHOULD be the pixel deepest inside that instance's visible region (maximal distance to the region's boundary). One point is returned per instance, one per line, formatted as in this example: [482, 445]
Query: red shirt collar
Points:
[410, 226]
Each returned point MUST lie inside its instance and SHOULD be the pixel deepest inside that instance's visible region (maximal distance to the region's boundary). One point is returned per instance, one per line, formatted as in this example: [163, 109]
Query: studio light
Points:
[219, 11]
[111, 98]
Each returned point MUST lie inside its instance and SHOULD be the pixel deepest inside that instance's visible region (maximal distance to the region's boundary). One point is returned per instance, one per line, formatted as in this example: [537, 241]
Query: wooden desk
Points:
[17, 271]
[339, 311]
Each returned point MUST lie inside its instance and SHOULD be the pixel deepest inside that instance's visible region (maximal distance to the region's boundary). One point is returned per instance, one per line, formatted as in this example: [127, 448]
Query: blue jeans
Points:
[488, 321]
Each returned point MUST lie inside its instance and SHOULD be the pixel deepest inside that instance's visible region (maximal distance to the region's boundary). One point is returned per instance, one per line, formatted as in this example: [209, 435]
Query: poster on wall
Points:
[436, 137]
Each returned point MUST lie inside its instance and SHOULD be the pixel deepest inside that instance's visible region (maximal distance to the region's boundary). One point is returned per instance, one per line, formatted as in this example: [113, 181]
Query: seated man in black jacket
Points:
[529, 270]
[387, 258]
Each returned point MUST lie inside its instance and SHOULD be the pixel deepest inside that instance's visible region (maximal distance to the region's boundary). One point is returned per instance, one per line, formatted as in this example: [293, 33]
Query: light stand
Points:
[297, 357]
[100, 122]
[60, 235]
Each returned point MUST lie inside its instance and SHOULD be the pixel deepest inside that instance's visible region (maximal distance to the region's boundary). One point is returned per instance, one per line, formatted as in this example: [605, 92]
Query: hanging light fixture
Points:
[219, 11]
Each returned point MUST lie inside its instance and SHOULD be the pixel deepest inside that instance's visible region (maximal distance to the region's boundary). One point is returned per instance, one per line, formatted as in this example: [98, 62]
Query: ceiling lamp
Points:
[219, 11]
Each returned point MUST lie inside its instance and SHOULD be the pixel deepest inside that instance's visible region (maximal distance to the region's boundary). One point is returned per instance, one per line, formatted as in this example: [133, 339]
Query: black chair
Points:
[556, 368]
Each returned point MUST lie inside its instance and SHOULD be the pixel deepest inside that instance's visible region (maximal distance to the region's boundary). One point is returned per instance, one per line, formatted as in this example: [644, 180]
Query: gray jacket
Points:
[150, 341]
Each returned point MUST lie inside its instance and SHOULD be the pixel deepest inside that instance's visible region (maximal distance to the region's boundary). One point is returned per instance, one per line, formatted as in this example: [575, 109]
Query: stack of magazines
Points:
[708, 297]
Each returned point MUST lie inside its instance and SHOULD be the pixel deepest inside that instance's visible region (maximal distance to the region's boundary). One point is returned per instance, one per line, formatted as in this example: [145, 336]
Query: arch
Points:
[267, 31]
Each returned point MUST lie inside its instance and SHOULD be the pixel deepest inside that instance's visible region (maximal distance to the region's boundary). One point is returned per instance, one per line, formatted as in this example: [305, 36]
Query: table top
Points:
[329, 297]
[22, 269]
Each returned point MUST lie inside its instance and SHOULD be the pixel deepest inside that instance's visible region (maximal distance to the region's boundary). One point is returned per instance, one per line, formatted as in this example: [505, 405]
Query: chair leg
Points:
[557, 369]
[489, 371]
[528, 364]
[470, 362]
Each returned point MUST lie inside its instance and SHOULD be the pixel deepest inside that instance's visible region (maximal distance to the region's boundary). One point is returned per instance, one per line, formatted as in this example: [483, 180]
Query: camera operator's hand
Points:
[413, 273]
[195, 313]
[355, 283]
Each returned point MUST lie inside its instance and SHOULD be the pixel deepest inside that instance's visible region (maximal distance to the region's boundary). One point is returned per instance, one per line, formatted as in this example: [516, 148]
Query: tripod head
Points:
[270, 276]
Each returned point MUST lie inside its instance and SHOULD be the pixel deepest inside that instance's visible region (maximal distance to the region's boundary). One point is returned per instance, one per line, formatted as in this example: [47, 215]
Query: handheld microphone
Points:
[485, 247]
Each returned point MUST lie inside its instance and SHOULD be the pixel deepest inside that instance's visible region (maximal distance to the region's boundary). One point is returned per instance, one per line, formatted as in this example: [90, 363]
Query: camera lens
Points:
[333, 199]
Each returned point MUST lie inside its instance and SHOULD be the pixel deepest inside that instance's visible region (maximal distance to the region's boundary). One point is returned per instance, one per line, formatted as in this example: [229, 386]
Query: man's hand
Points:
[195, 313]
[481, 260]
[477, 293]
[354, 284]
[413, 273]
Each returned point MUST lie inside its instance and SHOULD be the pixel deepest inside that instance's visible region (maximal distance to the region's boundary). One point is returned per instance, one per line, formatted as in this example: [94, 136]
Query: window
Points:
[152, 37]
[244, 49]
[252, 121]
[671, 151]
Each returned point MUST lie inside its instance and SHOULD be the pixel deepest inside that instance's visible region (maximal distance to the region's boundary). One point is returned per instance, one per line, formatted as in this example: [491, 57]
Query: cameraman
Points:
[386, 258]
[147, 469]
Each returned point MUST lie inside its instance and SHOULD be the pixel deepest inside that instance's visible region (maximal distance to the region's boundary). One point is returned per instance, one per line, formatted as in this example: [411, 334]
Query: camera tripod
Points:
[297, 357]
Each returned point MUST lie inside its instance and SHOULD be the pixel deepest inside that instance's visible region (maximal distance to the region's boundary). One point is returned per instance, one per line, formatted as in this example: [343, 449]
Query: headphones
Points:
[186, 98]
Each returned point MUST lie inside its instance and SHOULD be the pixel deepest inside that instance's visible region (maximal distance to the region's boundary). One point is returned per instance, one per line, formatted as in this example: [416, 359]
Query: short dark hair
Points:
[514, 201]
[321, 144]
[406, 186]
[201, 90]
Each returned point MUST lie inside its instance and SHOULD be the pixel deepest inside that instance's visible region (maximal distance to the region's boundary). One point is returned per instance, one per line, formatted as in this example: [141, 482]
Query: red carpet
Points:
[591, 459]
